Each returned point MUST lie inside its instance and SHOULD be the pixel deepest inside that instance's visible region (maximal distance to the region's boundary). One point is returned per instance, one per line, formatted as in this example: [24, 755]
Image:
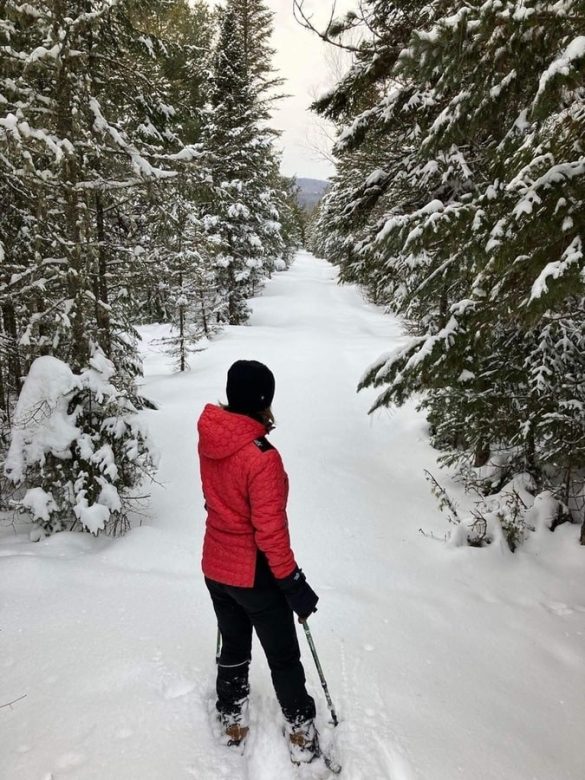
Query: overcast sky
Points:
[309, 67]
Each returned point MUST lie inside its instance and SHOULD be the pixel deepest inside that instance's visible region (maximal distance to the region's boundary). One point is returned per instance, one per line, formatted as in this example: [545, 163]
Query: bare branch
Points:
[305, 21]
[10, 703]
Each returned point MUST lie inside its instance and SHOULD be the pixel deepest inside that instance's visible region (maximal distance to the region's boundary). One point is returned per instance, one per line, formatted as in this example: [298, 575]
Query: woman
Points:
[248, 563]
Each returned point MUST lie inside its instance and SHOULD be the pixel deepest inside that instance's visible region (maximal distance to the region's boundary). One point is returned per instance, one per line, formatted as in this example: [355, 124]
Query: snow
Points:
[21, 129]
[562, 65]
[443, 662]
[41, 420]
[573, 255]
[513, 507]
[543, 511]
[38, 502]
[496, 90]
[433, 208]
[140, 164]
[378, 176]
[93, 517]
[238, 211]
[43, 425]
[43, 53]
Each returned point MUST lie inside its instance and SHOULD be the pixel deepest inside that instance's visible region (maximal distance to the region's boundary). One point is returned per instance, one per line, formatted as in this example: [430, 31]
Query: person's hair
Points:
[267, 419]
[266, 416]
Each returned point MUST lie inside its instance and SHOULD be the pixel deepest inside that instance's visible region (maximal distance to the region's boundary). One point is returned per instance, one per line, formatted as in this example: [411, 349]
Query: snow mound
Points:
[75, 443]
[42, 423]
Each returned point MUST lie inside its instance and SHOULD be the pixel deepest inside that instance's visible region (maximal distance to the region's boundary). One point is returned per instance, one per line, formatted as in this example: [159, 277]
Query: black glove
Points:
[301, 598]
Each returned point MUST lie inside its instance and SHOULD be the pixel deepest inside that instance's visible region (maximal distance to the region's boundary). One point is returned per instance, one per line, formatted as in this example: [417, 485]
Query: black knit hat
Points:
[250, 387]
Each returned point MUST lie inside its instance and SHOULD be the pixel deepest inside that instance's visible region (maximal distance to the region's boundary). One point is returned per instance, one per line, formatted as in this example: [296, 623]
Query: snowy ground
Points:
[443, 663]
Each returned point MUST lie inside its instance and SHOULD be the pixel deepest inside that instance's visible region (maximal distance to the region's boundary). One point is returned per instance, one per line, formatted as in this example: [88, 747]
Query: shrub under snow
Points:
[505, 516]
[77, 448]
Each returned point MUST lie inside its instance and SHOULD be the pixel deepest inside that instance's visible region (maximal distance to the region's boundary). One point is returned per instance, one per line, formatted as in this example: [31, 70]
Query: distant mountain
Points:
[311, 192]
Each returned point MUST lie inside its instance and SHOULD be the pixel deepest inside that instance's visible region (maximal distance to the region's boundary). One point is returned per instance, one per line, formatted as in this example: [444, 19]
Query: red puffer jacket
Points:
[246, 489]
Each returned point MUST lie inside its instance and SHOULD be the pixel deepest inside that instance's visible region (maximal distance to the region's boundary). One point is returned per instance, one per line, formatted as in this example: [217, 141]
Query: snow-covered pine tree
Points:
[184, 31]
[73, 131]
[280, 234]
[293, 216]
[377, 140]
[77, 449]
[242, 217]
[256, 22]
[181, 288]
[191, 297]
[17, 240]
[85, 136]
[476, 238]
[180, 35]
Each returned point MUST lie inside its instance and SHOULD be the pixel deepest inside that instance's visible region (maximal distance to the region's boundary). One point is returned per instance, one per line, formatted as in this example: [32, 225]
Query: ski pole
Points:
[320, 670]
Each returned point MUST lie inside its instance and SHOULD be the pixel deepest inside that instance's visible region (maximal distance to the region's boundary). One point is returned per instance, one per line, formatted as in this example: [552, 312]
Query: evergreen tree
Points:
[242, 217]
[183, 31]
[86, 139]
[464, 214]
[77, 447]
[189, 288]
[293, 215]
[180, 287]
[125, 200]
[78, 132]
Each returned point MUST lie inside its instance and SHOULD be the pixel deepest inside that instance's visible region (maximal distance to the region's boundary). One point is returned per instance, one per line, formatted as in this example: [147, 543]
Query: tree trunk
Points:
[73, 213]
[246, 35]
[3, 395]
[530, 453]
[102, 312]
[14, 377]
[182, 361]
[482, 454]
[203, 312]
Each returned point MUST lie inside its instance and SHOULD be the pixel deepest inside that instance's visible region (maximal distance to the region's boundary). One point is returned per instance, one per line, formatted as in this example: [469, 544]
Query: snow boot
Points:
[303, 742]
[234, 725]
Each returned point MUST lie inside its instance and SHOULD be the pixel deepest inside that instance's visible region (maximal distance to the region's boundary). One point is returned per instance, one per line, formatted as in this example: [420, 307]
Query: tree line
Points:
[139, 183]
[459, 203]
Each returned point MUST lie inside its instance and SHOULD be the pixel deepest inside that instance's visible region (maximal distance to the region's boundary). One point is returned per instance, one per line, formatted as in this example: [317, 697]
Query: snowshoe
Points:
[234, 726]
[304, 747]
[303, 742]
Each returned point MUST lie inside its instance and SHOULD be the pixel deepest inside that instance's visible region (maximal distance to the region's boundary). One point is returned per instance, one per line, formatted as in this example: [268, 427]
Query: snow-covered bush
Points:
[77, 449]
[505, 517]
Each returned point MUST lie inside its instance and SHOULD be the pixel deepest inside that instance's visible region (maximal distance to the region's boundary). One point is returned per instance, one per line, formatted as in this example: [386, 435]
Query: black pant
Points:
[264, 608]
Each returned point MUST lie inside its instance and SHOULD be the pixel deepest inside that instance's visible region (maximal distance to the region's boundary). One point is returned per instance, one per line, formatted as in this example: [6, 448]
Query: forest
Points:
[405, 415]
[139, 183]
[459, 204]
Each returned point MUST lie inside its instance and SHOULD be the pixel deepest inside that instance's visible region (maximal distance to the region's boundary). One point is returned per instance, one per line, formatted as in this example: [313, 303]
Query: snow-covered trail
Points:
[443, 663]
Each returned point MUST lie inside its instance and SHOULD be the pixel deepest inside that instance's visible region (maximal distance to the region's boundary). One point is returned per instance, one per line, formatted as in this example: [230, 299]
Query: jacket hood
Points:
[223, 433]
